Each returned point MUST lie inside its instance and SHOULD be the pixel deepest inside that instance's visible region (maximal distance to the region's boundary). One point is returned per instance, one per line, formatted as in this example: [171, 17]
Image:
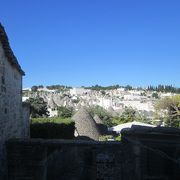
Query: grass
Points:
[55, 120]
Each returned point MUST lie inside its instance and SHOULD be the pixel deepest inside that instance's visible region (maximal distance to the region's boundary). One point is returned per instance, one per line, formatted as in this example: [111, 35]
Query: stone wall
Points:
[11, 116]
[66, 160]
[142, 155]
[154, 152]
[25, 120]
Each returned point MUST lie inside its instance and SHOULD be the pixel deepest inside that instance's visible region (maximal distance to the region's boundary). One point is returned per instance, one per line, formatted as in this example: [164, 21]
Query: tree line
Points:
[159, 88]
[164, 88]
[52, 87]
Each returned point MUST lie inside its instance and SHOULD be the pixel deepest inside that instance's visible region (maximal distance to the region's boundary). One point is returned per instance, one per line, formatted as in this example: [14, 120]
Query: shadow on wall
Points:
[52, 130]
[143, 154]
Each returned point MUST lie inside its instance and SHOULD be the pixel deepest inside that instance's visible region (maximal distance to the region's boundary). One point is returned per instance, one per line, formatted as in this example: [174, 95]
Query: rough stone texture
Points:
[11, 58]
[12, 123]
[102, 128]
[85, 124]
[154, 152]
[27, 161]
[26, 121]
[66, 160]
[143, 154]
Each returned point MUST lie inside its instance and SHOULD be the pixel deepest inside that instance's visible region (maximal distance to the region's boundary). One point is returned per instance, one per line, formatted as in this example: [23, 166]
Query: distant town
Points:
[113, 99]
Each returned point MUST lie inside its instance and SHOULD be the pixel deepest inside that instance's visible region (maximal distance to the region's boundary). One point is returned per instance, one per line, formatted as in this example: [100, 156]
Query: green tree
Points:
[128, 87]
[34, 88]
[129, 115]
[38, 107]
[171, 110]
[102, 113]
[65, 112]
[155, 95]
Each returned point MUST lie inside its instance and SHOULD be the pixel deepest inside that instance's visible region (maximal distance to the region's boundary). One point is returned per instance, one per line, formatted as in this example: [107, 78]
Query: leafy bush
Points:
[52, 128]
[110, 138]
[170, 109]
[118, 138]
[65, 112]
[102, 113]
[129, 115]
[106, 138]
[38, 107]
[155, 95]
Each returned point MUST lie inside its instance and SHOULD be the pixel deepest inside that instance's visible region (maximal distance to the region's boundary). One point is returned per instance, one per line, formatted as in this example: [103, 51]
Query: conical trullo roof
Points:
[97, 119]
[52, 104]
[85, 124]
[112, 111]
[102, 128]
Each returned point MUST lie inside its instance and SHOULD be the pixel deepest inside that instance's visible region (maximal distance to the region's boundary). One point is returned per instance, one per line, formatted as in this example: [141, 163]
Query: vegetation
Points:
[58, 87]
[65, 112]
[155, 95]
[102, 113]
[52, 128]
[110, 138]
[56, 120]
[113, 87]
[171, 110]
[128, 87]
[143, 94]
[35, 88]
[164, 88]
[38, 107]
[106, 138]
[129, 115]
[159, 88]
[100, 88]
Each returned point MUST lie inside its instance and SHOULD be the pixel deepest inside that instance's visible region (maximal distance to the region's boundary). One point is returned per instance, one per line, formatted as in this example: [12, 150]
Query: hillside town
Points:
[40, 144]
[114, 101]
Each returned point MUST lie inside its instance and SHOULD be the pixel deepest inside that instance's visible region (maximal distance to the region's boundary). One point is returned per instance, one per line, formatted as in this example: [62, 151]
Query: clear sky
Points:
[88, 42]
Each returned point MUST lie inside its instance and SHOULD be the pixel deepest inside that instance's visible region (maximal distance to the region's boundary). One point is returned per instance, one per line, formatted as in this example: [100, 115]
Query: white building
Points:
[78, 91]
[120, 127]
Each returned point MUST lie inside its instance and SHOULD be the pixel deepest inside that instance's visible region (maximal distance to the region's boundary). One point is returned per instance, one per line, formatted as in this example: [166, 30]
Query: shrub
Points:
[106, 138]
[155, 95]
[102, 113]
[38, 107]
[65, 112]
[52, 128]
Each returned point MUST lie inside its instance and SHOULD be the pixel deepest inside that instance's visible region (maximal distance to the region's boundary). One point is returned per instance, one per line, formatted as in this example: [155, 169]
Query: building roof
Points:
[52, 104]
[98, 119]
[85, 124]
[8, 51]
[102, 128]
[118, 128]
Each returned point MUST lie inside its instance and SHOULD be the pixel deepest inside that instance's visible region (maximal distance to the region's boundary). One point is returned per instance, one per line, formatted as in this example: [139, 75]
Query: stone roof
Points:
[51, 103]
[85, 124]
[97, 119]
[102, 128]
[8, 51]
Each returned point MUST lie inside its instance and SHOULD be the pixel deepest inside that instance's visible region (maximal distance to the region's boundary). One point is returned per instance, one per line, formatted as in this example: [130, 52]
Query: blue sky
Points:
[88, 42]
